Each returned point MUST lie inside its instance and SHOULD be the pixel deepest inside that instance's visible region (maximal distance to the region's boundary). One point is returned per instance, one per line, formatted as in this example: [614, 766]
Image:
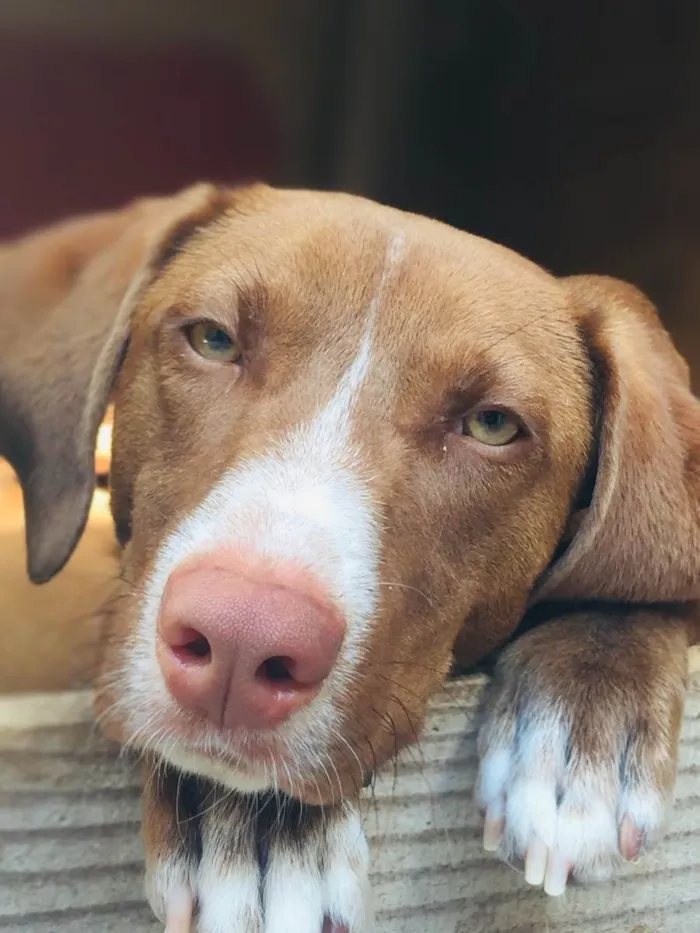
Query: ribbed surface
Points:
[70, 853]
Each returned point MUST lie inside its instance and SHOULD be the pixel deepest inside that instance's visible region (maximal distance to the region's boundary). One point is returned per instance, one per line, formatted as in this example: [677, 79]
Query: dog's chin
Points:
[243, 777]
[245, 761]
[249, 763]
[293, 760]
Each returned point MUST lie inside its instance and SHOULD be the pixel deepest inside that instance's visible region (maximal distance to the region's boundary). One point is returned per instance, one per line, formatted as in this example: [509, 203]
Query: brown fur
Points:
[592, 661]
[599, 502]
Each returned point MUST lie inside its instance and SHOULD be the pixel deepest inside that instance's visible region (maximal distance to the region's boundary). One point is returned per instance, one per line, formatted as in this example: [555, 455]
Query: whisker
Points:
[216, 802]
[405, 586]
[395, 683]
[338, 735]
[411, 663]
[516, 330]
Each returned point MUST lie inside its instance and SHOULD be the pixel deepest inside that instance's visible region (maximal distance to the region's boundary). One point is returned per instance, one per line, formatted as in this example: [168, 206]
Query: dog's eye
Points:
[491, 426]
[213, 343]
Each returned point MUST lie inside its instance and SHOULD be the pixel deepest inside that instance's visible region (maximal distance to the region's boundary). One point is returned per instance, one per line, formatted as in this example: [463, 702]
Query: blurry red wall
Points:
[85, 127]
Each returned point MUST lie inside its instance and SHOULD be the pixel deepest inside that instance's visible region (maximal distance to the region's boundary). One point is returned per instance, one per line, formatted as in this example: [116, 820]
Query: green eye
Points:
[213, 343]
[493, 427]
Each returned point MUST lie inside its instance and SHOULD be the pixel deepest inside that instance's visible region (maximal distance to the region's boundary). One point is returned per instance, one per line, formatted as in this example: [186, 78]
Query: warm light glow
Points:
[103, 449]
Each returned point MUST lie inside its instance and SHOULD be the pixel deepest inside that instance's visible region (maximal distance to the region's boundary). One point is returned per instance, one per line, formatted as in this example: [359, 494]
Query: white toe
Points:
[561, 815]
[293, 894]
[326, 876]
[169, 887]
[346, 883]
[229, 899]
[228, 883]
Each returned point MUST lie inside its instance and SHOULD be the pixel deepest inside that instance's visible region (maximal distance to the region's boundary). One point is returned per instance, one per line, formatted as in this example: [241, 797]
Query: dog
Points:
[354, 448]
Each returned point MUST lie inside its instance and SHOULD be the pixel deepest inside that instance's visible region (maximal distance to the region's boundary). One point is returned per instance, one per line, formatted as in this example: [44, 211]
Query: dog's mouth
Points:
[231, 746]
[242, 760]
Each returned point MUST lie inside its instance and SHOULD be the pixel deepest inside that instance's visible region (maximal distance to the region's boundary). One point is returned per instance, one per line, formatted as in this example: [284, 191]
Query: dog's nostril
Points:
[199, 647]
[193, 647]
[277, 670]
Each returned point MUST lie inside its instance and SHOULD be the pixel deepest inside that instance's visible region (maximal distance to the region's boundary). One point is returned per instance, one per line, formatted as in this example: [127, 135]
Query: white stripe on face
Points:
[303, 502]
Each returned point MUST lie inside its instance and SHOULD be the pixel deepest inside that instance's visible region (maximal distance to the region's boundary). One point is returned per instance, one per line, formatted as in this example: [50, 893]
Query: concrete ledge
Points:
[71, 858]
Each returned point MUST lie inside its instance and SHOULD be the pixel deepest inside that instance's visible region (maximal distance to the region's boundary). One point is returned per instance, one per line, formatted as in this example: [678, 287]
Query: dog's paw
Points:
[578, 750]
[253, 864]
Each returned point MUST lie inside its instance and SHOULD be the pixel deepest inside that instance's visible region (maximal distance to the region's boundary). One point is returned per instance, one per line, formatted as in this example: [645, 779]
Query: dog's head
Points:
[348, 441]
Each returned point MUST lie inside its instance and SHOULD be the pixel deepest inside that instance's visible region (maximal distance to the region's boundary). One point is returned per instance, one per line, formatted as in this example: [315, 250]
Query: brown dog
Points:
[350, 445]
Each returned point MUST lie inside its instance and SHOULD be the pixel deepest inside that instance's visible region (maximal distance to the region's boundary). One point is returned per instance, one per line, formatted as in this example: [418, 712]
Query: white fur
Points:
[168, 884]
[648, 808]
[293, 894]
[304, 500]
[347, 896]
[572, 808]
[298, 895]
[228, 877]
[191, 762]
[493, 776]
[228, 894]
[325, 877]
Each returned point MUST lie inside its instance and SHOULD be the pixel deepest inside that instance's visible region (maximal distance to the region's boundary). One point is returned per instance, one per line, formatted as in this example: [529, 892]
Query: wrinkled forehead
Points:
[323, 278]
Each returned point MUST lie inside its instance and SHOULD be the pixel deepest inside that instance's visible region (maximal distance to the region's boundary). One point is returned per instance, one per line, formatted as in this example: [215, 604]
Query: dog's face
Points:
[380, 417]
[346, 441]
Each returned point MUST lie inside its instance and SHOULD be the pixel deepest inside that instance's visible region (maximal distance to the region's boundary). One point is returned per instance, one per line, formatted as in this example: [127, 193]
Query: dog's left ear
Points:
[637, 537]
[58, 366]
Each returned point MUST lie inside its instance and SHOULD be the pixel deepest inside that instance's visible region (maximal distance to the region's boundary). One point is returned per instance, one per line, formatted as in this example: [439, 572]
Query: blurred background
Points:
[567, 130]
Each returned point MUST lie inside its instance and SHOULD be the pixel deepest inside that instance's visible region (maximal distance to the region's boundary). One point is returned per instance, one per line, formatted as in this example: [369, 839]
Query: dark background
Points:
[568, 130]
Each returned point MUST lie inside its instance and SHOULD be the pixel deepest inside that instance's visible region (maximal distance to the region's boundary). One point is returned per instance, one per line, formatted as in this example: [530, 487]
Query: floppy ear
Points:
[58, 361]
[637, 537]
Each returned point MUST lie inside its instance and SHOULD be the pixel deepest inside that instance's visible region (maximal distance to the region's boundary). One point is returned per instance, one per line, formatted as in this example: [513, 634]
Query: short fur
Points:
[590, 520]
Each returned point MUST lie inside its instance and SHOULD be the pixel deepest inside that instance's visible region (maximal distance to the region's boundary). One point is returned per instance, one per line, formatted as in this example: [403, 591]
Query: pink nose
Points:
[245, 646]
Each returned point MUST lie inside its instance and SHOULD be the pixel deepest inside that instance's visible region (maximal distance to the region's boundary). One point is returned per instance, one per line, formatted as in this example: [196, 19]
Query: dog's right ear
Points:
[636, 538]
[58, 362]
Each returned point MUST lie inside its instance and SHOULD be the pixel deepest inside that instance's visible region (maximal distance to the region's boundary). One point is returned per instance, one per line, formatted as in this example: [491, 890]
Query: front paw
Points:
[227, 863]
[578, 748]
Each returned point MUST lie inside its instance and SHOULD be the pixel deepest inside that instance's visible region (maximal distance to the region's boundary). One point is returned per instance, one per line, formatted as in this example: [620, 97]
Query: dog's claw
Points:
[536, 863]
[179, 912]
[556, 876]
[631, 839]
[493, 826]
